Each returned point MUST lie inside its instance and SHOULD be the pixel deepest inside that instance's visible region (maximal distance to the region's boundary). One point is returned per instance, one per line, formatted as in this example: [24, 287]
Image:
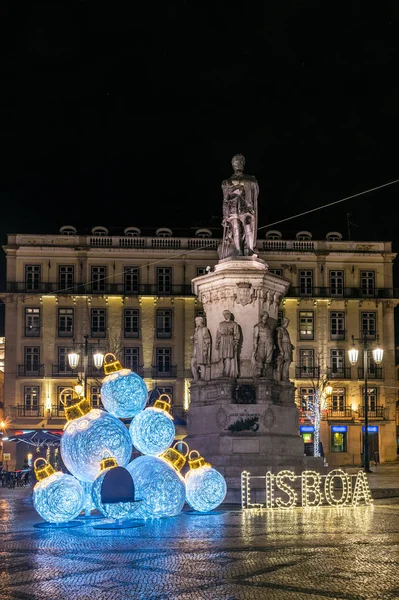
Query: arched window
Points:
[132, 231]
[99, 230]
[164, 232]
[334, 236]
[203, 233]
[273, 234]
[68, 230]
[303, 236]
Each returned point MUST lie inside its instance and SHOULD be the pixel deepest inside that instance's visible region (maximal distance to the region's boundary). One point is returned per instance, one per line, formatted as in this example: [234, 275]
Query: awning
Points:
[37, 437]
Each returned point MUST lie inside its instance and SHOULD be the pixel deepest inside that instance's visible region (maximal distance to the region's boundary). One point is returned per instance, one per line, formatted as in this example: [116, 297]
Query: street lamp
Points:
[353, 353]
[74, 358]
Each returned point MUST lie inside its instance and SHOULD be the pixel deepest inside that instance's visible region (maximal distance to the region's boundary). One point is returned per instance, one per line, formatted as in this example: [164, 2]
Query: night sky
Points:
[122, 116]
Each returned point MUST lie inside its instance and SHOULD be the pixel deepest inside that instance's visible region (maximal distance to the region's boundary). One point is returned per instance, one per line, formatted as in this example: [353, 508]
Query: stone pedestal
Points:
[249, 422]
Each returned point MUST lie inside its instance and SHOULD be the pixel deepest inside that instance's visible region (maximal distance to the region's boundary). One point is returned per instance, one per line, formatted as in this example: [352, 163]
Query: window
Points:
[337, 362]
[98, 317]
[166, 390]
[306, 325]
[338, 400]
[372, 398]
[95, 396]
[66, 275]
[131, 322]
[338, 441]
[131, 280]
[32, 277]
[164, 360]
[63, 363]
[337, 325]
[201, 271]
[32, 360]
[278, 272]
[164, 280]
[337, 283]
[31, 397]
[307, 399]
[131, 359]
[65, 322]
[164, 323]
[367, 283]
[368, 324]
[32, 322]
[305, 279]
[98, 278]
[306, 362]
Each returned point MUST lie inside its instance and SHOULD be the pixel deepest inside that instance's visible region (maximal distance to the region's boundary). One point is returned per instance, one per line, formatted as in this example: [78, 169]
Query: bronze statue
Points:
[201, 359]
[240, 211]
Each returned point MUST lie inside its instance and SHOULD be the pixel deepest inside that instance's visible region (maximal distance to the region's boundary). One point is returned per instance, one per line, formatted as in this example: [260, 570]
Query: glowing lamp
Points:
[329, 390]
[123, 393]
[113, 490]
[57, 497]
[378, 354]
[152, 430]
[353, 354]
[79, 389]
[205, 486]
[98, 359]
[73, 359]
[159, 485]
[88, 433]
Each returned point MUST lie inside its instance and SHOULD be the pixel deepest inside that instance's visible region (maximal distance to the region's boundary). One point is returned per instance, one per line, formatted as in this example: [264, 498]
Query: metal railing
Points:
[332, 413]
[380, 412]
[344, 373]
[347, 292]
[63, 370]
[161, 373]
[375, 373]
[307, 372]
[30, 370]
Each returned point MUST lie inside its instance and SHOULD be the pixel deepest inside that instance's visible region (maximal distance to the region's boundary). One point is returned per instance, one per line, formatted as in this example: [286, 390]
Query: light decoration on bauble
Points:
[57, 497]
[123, 393]
[113, 493]
[205, 486]
[153, 430]
[159, 483]
[88, 433]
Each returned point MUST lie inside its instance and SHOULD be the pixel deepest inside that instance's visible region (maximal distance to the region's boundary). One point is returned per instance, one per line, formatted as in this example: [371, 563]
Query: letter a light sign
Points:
[310, 489]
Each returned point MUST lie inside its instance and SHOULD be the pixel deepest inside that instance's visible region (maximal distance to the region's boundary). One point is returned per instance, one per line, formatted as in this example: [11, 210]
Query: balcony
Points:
[62, 370]
[343, 373]
[378, 412]
[375, 373]
[28, 411]
[163, 372]
[347, 292]
[103, 289]
[302, 372]
[332, 413]
[28, 370]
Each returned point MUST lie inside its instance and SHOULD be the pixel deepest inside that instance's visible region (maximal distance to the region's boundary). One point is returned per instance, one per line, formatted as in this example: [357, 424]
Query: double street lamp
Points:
[74, 358]
[366, 345]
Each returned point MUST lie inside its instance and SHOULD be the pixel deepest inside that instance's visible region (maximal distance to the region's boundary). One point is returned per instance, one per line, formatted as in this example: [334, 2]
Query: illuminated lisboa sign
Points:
[308, 490]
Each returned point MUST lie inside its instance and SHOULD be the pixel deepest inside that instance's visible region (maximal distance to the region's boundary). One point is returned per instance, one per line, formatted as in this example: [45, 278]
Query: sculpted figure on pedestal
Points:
[284, 351]
[263, 345]
[201, 359]
[227, 340]
[240, 211]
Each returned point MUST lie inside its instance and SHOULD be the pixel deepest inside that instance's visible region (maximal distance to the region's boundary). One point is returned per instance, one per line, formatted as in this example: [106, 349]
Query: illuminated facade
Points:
[131, 294]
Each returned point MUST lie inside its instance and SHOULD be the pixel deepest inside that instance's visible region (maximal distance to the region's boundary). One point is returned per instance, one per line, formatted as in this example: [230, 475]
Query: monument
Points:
[242, 414]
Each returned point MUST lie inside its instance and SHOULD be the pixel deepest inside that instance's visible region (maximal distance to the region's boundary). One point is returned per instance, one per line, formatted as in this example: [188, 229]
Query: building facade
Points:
[131, 295]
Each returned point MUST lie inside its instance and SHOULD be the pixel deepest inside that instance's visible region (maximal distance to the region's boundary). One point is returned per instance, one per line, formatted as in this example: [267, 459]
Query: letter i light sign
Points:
[308, 490]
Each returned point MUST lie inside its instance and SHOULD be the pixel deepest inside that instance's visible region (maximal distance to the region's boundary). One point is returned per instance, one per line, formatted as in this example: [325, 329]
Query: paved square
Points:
[346, 554]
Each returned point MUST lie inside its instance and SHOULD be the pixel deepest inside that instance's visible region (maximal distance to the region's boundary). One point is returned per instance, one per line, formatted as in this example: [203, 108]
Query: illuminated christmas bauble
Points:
[123, 393]
[111, 484]
[205, 486]
[57, 497]
[159, 485]
[86, 438]
[153, 430]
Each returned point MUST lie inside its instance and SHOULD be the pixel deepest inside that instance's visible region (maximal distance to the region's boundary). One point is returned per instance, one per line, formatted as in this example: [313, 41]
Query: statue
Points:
[227, 339]
[201, 359]
[284, 351]
[263, 346]
[240, 211]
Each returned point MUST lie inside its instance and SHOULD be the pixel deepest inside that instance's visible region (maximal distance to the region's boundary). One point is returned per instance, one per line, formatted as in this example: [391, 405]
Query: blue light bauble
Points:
[85, 440]
[88, 504]
[117, 510]
[124, 394]
[152, 431]
[58, 498]
[205, 488]
[160, 487]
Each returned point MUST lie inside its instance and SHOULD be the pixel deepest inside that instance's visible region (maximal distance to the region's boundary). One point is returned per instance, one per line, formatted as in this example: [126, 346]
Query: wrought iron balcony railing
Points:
[28, 411]
[62, 370]
[118, 289]
[343, 373]
[332, 413]
[29, 370]
[163, 373]
[375, 373]
[378, 412]
[302, 372]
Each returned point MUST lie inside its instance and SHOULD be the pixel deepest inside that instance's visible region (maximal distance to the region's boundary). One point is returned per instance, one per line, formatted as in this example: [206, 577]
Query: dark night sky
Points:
[111, 111]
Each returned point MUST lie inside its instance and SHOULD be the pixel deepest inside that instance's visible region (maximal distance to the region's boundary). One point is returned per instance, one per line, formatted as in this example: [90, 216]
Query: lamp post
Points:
[353, 353]
[73, 360]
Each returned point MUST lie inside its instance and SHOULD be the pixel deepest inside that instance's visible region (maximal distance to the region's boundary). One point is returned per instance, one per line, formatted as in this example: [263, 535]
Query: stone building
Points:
[130, 293]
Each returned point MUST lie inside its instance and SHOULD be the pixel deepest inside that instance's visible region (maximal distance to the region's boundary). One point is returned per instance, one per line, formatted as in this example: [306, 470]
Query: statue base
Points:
[247, 424]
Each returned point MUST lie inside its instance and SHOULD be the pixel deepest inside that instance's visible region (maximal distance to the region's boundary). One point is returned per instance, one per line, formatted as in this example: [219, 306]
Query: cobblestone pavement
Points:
[345, 554]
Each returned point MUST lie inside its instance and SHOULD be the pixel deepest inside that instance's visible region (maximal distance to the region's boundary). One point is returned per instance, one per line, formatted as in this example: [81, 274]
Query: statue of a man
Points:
[227, 340]
[201, 359]
[240, 211]
[263, 346]
[284, 349]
